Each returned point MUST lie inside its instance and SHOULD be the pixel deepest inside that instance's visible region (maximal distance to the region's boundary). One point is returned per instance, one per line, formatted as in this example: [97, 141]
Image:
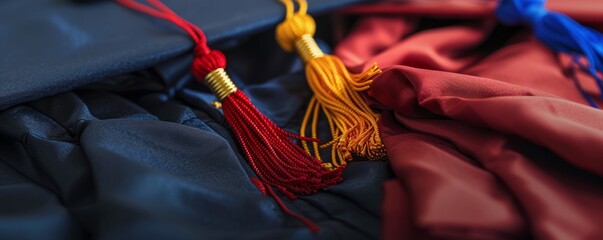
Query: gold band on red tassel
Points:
[220, 83]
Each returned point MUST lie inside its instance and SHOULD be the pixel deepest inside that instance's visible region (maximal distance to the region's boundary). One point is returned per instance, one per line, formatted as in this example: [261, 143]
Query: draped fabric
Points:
[144, 156]
[104, 134]
[484, 129]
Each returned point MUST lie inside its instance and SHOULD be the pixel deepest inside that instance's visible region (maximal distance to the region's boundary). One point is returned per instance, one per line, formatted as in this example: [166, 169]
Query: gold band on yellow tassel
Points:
[307, 48]
[220, 83]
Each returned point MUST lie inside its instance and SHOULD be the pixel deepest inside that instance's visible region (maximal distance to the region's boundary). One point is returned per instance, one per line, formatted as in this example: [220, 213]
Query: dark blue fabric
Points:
[52, 46]
[143, 156]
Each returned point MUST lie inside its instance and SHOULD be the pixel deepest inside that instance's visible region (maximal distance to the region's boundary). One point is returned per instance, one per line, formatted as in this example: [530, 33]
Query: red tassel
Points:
[266, 190]
[274, 157]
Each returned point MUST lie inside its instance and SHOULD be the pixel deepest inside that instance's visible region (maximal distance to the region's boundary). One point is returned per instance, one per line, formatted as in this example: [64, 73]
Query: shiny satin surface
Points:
[485, 131]
[53, 46]
[144, 156]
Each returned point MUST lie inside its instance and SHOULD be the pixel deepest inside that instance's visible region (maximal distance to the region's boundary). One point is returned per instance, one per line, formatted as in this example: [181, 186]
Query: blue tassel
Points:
[558, 32]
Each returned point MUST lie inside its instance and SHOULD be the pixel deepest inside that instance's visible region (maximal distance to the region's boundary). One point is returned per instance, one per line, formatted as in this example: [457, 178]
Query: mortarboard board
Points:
[64, 45]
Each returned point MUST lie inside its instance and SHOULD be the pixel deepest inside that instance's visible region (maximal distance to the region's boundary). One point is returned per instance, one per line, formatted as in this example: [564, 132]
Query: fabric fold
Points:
[487, 135]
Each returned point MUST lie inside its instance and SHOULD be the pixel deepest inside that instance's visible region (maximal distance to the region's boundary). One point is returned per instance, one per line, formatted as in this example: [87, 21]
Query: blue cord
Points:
[558, 32]
[585, 95]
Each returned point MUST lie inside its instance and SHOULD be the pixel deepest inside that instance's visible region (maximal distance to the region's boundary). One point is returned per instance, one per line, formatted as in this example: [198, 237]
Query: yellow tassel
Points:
[353, 124]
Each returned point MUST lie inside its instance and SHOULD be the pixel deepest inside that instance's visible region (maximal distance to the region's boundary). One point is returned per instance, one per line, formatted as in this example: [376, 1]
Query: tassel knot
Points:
[294, 27]
[203, 64]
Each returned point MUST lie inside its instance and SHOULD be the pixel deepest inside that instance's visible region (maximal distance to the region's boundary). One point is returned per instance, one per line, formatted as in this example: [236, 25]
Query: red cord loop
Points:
[206, 59]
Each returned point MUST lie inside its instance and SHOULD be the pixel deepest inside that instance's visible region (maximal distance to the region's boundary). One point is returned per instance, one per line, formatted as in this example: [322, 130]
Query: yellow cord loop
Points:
[294, 26]
[353, 125]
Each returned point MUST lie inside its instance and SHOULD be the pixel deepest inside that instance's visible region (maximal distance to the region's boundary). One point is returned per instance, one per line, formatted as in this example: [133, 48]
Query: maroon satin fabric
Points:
[486, 132]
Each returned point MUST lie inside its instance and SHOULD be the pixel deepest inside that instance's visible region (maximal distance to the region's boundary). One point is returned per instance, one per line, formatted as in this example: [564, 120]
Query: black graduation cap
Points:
[125, 157]
[54, 46]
